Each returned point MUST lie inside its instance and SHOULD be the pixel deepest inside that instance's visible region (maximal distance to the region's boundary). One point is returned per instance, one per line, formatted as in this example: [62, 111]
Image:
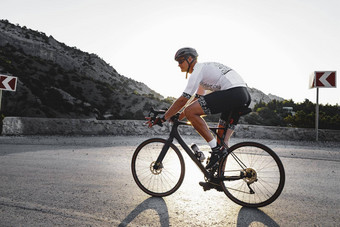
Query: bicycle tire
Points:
[264, 173]
[161, 182]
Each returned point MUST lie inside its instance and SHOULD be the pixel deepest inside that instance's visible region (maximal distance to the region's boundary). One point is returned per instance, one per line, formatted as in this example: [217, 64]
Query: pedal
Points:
[206, 186]
[209, 185]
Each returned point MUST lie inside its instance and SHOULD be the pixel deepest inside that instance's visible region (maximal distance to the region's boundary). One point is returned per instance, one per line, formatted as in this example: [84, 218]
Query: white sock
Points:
[213, 143]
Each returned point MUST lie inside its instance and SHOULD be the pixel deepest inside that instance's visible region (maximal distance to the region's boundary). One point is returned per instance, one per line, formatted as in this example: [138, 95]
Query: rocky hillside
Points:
[55, 80]
[60, 81]
[257, 96]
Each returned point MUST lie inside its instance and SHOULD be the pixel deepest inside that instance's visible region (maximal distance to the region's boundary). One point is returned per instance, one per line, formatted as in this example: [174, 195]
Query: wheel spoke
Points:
[264, 173]
[164, 180]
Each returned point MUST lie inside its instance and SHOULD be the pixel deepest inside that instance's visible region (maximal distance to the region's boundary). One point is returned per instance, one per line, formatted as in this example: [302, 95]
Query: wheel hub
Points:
[251, 176]
[156, 171]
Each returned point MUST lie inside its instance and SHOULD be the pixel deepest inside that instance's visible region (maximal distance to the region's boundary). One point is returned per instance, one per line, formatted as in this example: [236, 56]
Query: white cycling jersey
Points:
[212, 76]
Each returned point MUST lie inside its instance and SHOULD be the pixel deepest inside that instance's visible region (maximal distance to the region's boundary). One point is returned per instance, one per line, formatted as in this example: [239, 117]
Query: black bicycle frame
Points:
[175, 135]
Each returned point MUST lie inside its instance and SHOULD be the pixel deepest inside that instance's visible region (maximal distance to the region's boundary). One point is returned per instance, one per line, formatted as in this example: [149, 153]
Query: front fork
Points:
[158, 164]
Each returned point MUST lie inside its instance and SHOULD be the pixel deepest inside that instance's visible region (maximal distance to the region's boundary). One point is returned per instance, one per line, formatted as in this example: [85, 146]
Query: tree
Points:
[273, 114]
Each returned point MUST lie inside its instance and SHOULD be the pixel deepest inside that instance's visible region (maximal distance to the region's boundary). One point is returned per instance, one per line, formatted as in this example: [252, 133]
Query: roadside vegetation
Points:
[301, 115]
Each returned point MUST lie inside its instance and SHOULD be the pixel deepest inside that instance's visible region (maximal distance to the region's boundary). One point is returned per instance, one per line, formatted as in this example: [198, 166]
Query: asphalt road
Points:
[87, 181]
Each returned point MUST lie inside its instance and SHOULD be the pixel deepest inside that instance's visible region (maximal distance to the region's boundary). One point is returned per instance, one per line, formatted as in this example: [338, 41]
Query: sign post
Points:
[7, 83]
[0, 99]
[321, 79]
[317, 115]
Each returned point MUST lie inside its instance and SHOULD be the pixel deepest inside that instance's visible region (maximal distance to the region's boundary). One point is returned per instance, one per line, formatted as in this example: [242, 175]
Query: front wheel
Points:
[252, 174]
[164, 180]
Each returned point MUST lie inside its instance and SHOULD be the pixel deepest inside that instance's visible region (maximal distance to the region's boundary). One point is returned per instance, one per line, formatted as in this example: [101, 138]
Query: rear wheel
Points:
[253, 175]
[162, 181]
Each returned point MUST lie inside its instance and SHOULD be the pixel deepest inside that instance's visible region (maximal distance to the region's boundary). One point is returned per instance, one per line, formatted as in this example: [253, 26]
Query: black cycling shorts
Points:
[225, 101]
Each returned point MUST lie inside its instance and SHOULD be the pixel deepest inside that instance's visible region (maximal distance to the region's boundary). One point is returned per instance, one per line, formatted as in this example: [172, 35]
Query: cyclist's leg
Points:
[226, 129]
[220, 131]
[228, 121]
[193, 113]
[215, 102]
[210, 104]
[225, 102]
[228, 134]
[205, 105]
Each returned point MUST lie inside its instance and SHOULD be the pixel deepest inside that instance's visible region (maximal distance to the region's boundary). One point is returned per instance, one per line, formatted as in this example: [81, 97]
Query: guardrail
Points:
[62, 126]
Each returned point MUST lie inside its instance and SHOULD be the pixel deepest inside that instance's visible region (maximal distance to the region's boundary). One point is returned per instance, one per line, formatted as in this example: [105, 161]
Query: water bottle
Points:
[199, 154]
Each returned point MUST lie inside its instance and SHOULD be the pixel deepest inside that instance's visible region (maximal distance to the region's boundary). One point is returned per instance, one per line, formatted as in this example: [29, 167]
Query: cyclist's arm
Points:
[175, 107]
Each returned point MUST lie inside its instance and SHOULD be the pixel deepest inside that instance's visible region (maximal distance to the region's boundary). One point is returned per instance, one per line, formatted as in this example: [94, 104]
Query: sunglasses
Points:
[180, 61]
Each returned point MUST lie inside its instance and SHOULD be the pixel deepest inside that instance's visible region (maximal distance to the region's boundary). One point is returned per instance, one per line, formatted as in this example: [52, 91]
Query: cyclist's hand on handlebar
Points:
[151, 121]
[175, 117]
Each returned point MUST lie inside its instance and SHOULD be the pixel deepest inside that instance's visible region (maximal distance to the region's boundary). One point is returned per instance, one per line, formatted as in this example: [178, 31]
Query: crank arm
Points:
[232, 178]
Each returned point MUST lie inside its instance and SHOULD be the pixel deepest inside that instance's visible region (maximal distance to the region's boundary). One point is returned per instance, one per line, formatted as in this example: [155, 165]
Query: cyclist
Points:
[228, 92]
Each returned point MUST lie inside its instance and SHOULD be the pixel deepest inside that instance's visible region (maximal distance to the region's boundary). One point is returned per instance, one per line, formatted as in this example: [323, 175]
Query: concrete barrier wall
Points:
[59, 126]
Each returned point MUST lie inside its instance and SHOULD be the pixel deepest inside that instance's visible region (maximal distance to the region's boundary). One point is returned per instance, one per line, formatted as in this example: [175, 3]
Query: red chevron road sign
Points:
[324, 79]
[8, 83]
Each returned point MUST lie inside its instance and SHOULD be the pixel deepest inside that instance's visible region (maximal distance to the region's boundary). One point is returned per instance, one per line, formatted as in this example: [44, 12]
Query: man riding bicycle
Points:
[228, 93]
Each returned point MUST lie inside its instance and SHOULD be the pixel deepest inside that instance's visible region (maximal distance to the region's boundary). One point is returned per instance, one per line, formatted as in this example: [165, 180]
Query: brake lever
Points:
[175, 117]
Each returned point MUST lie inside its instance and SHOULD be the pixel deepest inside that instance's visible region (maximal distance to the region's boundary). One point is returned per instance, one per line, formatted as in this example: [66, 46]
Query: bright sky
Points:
[273, 45]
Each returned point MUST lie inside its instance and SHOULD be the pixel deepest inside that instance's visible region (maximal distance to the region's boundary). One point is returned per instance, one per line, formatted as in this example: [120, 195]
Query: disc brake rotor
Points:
[251, 176]
[156, 171]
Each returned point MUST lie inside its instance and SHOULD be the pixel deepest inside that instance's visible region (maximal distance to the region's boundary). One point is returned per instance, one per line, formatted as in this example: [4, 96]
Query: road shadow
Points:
[154, 203]
[246, 216]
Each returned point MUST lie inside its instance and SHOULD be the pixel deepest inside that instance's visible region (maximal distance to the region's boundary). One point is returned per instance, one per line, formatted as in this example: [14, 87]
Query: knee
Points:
[189, 112]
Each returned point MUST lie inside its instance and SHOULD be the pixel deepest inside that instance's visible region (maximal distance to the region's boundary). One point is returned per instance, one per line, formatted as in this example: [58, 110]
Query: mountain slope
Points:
[55, 80]
[59, 81]
[258, 96]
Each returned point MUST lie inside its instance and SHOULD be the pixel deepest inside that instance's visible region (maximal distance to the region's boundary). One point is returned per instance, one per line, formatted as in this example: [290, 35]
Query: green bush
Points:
[303, 115]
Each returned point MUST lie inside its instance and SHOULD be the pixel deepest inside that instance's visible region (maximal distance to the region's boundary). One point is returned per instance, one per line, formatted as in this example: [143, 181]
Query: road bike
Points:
[250, 174]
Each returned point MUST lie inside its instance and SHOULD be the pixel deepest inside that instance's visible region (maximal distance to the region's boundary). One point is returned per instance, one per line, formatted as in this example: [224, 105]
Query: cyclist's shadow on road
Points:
[155, 203]
[248, 215]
